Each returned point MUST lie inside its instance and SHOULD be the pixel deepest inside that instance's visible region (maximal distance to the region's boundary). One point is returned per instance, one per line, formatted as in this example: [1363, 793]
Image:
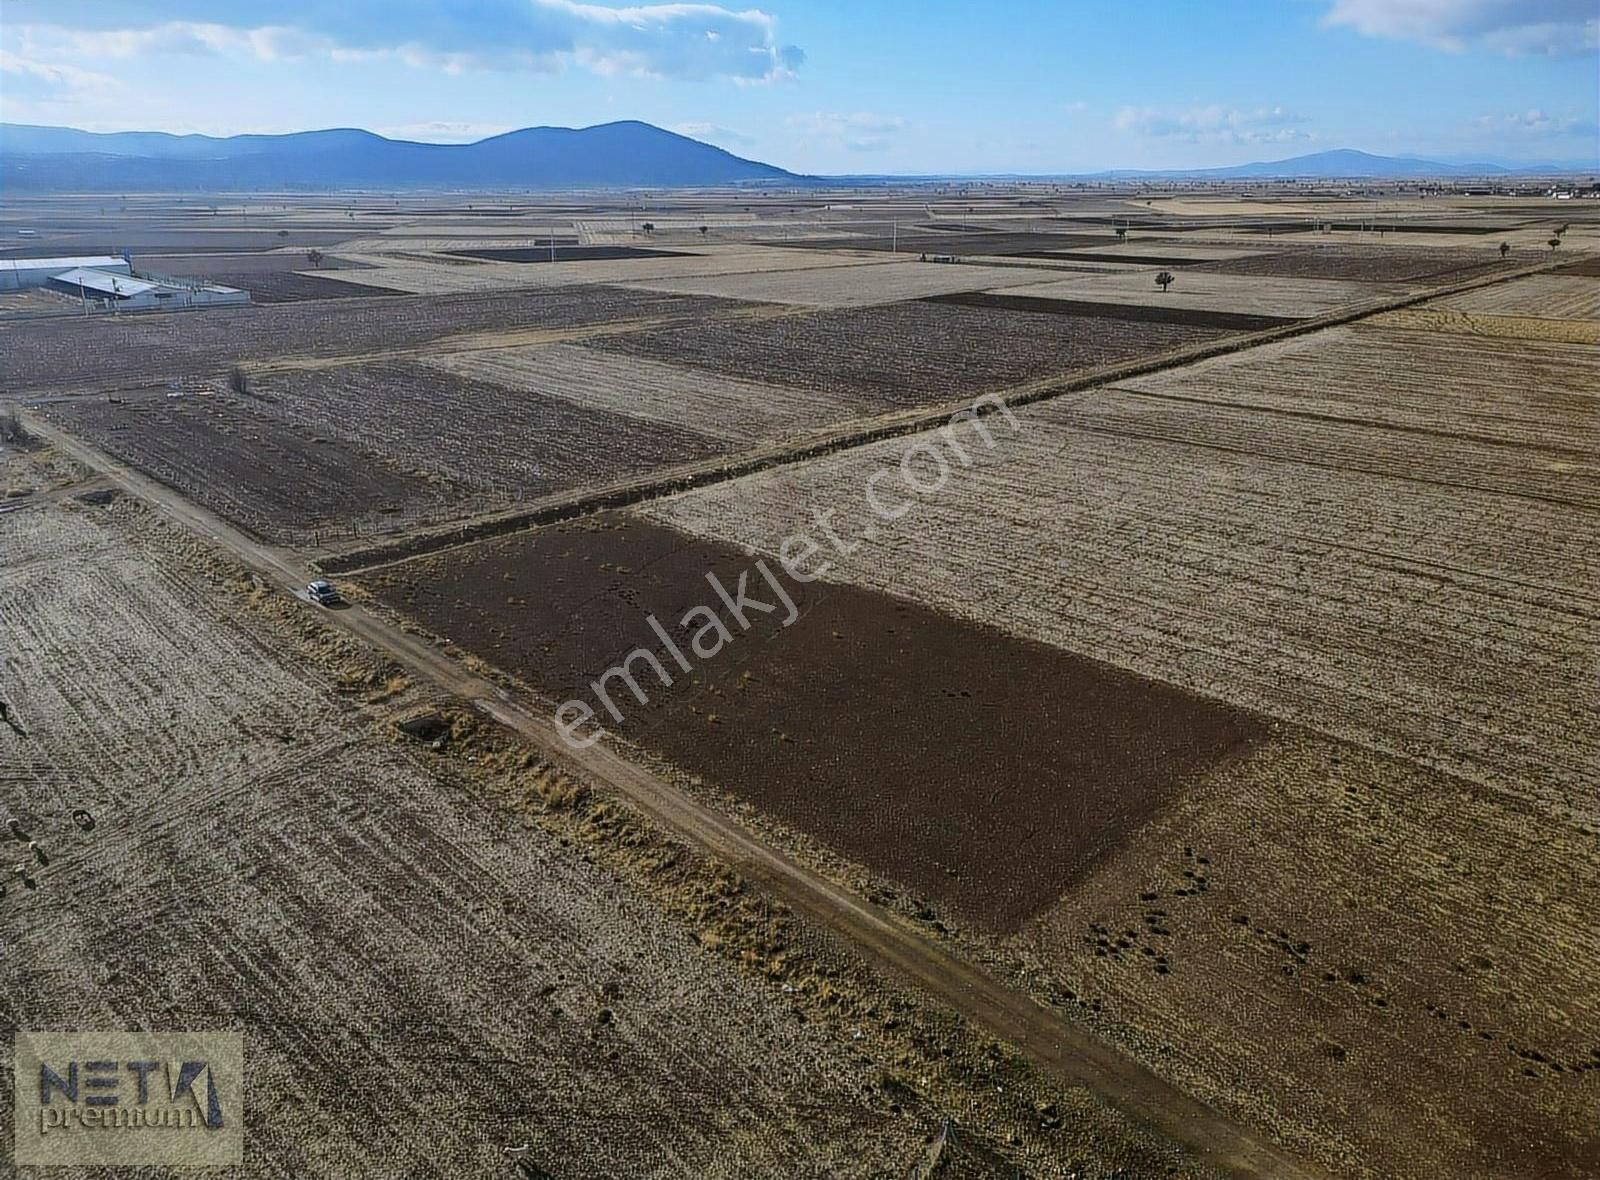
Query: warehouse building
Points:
[108, 283]
[16, 273]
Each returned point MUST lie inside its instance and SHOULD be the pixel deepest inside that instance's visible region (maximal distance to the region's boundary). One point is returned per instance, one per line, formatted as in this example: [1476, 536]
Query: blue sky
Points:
[830, 86]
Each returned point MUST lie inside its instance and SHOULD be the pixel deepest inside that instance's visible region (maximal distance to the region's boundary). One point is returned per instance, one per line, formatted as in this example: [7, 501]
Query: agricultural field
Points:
[231, 455]
[290, 287]
[419, 981]
[904, 354]
[1352, 596]
[1552, 296]
[835, 287]
[725, 408]
[130, 351]
[1430, 266]
[447, 273]
[1191, 288]
[1381, 546]
[918, 700]
[312, 456]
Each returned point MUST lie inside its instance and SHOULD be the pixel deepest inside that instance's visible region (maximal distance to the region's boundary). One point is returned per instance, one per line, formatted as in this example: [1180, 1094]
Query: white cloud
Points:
[1548, 27]
[691, 41]
[437, 131]
[24, 79]
[1536, 124]
[1213, 124]
[856, 132]
[712, 133]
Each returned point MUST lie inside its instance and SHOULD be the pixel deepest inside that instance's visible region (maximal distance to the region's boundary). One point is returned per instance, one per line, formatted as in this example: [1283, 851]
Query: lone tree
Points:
[11, 428]
[1554, 242]
[1122, 233]
[314, 257]
[1505, 248]
[1164, 280]
[704, 230]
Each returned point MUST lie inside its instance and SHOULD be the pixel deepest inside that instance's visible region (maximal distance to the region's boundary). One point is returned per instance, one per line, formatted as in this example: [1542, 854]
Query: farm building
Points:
[130, 292]
[16, 273]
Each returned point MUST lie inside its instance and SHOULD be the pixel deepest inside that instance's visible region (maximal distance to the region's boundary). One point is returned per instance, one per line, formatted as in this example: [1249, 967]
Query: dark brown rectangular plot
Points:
[565, 253]
[904, 354]
[983, 771]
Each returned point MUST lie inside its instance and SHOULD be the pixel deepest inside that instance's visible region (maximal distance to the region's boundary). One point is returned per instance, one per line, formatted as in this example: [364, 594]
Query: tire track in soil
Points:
[1068, 1051]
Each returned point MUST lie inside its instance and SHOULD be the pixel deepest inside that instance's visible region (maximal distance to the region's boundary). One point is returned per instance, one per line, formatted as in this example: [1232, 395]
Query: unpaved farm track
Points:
[1065, 1049]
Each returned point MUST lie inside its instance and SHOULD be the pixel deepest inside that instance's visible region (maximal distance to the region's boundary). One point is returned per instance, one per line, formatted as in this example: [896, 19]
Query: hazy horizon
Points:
[827, 88]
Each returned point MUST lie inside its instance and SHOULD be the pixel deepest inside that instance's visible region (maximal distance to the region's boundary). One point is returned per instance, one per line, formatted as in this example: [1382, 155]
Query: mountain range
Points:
[1348, 164]
[611, 155]
[625, 154]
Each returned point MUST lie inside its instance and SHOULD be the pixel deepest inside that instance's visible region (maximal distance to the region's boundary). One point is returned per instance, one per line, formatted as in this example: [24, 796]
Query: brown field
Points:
[864, 723]
[906, 353]
[289, 287]
[249, 466]
[1242, 714]
[1436, 318]
[143, 349]
[1385, 541]
[847, 286]
[311, 456]
[1368, 264]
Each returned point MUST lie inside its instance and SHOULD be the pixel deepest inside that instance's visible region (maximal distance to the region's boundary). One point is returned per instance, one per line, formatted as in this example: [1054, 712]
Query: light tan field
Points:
[1438, 318]
[1556, 297]
[1389, 542]
[1250, 294]
[720, 406]
[269, 858]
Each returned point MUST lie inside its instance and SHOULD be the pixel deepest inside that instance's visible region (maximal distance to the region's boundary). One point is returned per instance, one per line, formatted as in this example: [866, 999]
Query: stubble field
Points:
[419, 983]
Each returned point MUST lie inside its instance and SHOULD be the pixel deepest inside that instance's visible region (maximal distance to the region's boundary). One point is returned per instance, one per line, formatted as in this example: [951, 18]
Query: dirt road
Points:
[1070, 1052]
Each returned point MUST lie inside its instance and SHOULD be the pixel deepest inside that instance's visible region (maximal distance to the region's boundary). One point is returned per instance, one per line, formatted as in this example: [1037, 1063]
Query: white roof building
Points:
[36, 272]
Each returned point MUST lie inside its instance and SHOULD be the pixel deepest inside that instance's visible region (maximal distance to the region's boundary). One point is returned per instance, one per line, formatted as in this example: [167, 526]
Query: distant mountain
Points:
[626, 154]
[1348, 164]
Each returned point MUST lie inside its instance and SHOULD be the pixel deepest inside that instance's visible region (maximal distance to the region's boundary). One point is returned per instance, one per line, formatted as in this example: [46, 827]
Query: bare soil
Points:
[139, 349]
[905, 354]
[983, 772]
[1364, 264]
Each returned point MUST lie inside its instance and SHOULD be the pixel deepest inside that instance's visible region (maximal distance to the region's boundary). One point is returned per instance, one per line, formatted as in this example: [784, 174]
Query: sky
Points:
[841, 86]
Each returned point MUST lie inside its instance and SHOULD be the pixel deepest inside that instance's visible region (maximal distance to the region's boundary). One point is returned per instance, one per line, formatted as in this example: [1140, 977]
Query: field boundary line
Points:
[567, 505]
[1073, 1054]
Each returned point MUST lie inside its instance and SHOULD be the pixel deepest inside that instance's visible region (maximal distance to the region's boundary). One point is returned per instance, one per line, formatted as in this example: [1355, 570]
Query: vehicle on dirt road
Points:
[324, 593]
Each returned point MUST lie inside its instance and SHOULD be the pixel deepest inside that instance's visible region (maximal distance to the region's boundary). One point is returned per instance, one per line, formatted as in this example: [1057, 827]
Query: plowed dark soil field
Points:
[143, 349]
[1363, 264]
[288, 287]
[907, 353]
[984, 772]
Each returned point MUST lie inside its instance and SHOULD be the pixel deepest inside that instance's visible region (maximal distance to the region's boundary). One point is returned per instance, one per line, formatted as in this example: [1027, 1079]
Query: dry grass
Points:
[266, 859]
